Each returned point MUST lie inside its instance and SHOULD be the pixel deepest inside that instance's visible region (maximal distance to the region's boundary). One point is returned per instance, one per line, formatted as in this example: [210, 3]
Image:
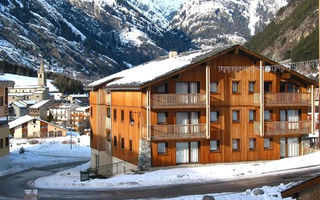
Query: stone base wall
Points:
[144, 159]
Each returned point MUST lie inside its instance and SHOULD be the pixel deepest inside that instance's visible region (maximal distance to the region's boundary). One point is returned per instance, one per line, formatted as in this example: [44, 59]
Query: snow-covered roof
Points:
[144, 73]
[26, 81]
[79, 95]
[20, 104]
[82, 108]
[19, 121]
[29, 101]
[39, 104]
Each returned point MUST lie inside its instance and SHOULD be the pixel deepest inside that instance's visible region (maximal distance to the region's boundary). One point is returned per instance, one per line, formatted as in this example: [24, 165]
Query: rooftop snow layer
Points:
[19, 121]
[158, 68]
[39, 104]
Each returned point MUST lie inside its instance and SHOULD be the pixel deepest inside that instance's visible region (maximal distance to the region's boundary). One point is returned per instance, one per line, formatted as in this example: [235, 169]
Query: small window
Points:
[1, 100]
[7, 141]
[235, 87]
[1, 143]
[115, 140]
[130, 116]
[162, 88]
[114, 114]
[162, 118]
[122, 143]
[252, 86]
[267, 86]
[130, 145]
[109, 137]
[236, 144]
[252, 144]
[108, 112]
[162, 147]
[267, 115]
[236, 116]
[252, 115]
[214, 145]
[122, 115]
[214, 116]
[214, 87]
[267, 143]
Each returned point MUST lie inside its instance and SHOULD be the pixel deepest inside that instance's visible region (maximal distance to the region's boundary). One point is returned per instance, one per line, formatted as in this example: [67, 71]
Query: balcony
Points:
[178, 100]
[285, 99]
[172, 132]
[285, 128]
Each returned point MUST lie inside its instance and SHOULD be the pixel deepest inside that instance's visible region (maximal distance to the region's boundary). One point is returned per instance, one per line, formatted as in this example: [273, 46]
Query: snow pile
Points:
[46, 151]
[214, 172]
[270, 193]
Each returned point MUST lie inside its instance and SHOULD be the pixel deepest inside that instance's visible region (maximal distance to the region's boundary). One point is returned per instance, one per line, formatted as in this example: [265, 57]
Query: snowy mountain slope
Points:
[93, 37]
[211, 22]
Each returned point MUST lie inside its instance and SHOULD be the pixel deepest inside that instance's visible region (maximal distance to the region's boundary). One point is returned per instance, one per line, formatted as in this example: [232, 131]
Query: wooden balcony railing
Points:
[178, 100]
[167, 132]
[280, 99]
[287, 128]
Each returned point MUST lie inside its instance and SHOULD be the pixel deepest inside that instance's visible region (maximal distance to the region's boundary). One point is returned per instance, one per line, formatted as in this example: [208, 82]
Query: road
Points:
[12, 186]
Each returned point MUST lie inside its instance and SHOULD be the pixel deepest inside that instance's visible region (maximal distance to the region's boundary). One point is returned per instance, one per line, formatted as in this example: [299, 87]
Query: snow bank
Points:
[214, 172]
[46, 151]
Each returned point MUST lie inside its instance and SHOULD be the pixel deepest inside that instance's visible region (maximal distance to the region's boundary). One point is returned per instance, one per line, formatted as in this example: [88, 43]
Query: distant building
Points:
[20, 108]
[40, 109]
[81, 99]
[61, 113]
[4, 129]
[32, 127]
[34, 92]
[80, 119]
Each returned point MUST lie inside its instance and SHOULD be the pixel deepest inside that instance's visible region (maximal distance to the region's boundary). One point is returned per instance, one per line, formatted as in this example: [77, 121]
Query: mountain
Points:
[90, 37]
[293, 34]
[211, 22]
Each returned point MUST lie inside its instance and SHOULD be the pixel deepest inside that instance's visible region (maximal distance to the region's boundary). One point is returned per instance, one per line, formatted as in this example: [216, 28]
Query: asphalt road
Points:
[12, 186]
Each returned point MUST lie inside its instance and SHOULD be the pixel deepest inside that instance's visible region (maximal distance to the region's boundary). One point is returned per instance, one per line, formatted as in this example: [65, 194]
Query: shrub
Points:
[22, 150]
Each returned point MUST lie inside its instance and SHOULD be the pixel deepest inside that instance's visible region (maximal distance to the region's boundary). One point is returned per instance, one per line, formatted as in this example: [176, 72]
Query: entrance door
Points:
[182, 152]
[293, 147]
[182, 119]
[182, 90]
[194, 152]
[282, 147]
[194, 122]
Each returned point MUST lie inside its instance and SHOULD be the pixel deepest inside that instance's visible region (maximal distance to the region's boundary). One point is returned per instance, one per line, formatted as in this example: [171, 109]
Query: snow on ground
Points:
[181, 175]
[47, 151]
[270, 193]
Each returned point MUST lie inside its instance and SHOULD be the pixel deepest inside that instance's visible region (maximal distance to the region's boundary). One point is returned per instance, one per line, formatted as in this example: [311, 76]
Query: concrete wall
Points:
[17, 132]
[34, 128]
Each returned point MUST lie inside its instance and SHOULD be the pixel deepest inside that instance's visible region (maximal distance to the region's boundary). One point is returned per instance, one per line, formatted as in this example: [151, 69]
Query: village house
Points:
[227, 104]
[61, 113]
[4, 128]
[40, 109]
[32, 127]
[81, 99]
[20, 108]
[80, 119]
[31, 92]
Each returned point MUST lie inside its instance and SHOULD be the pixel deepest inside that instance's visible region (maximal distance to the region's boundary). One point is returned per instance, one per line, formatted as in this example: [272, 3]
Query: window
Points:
[267, 115]
[252, 86]
[235, 87]
[1, 143]
[162, 88]
[236, 116]
[130, 117]
[122, 115]
[7, 141]
[122, 143]
[115, 140]
[1, 100]
[267, 143]
[214, 116]
[252, 144]
[214, 145]
[162, 147]
[109, 137]
[130, 145]
[114, 114]
[162, 118]
[236, 144]
[267, 86]
[252, 115]
[214, 87]
[108, 112]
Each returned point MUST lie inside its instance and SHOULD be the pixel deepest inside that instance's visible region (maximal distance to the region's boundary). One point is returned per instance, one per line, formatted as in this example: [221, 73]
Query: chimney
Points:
[172, 54]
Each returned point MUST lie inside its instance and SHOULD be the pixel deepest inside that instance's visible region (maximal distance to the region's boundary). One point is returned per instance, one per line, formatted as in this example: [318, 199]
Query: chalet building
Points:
[80, 119]
[4, 128]
[40, 109]
[32, 127]
[62, 113]
[20, 108]
[81, 99]
[31, 92]
[227, 104]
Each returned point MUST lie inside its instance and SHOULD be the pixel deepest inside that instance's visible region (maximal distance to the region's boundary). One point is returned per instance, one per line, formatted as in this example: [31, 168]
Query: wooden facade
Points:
[133, 114]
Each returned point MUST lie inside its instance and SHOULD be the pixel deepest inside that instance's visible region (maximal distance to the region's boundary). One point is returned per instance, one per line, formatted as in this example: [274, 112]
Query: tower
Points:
[42, 79]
